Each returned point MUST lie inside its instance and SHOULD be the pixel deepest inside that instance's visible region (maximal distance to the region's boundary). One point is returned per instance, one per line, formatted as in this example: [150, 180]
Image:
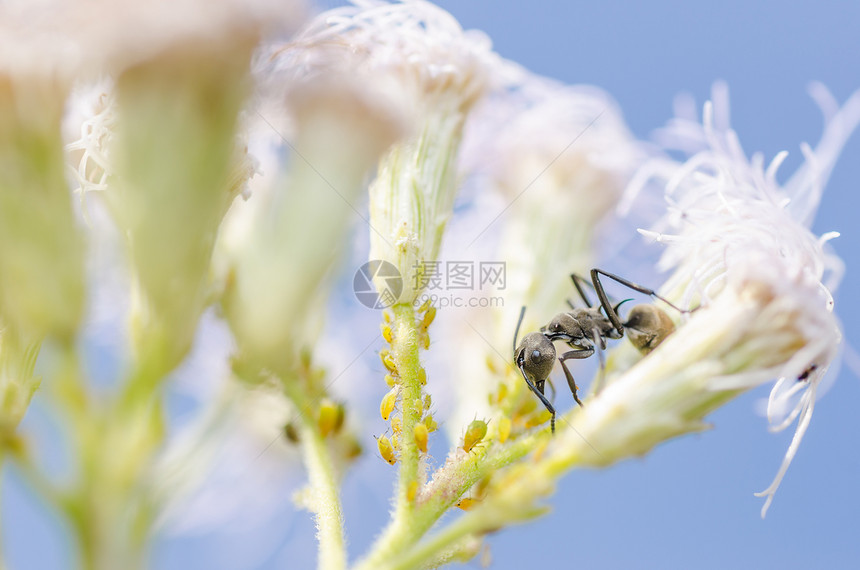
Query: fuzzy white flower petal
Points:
[555, 159]
[733, 234]
[416, 58]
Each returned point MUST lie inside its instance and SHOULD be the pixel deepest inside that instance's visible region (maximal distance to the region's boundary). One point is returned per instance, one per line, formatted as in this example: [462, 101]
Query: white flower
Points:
[93, 116]
[75, 38]
[418, 59]
[278, 248]
[41, 248]
[411, 46]
[741, 251]
[562, 156]
[557, 159]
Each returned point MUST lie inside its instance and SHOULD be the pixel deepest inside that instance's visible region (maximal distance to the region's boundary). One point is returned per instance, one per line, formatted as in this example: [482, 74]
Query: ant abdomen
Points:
[647, 326]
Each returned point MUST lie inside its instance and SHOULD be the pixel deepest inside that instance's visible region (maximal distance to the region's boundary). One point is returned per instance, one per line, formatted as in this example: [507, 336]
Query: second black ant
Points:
[586, 330]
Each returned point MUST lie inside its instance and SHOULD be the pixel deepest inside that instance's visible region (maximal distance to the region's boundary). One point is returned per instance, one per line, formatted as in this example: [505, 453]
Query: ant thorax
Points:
[592, 320]
[581, 327]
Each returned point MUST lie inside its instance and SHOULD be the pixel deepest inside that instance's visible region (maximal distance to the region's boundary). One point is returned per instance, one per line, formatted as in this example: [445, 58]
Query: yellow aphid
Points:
[386, 316]
[422, 376]
[327, 420]
[539, 451]
[474, 434]
[291, 432]
[428, 401]
[386, 450]
[388, 361]
[424, 306]
[425, 341]
[412, 491]
[387, 404]
[430, 423]
[503, 392]
[389, 379]
[352, 448]
[339, 419]
[305, 358]
[396, 424]
[421, 434]
[527, 406]
[480, 488]
[395, 440]
[429, 316]
[419, 405]
[386, 333]
[504, 429]
[466, 503]
[532, 421]
[537, 419]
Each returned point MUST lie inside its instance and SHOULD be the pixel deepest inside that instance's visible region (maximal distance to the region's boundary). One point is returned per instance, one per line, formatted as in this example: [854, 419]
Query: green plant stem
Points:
[404, 350]
[110, 507]
[404, 528]
[450, 540]
[325, 503]
[448, 485]
[427, 552]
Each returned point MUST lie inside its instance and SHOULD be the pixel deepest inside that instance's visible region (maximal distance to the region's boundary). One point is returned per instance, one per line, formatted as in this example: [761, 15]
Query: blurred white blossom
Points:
[415, 58]
[557, 159]
[280, 245]
[743, 256]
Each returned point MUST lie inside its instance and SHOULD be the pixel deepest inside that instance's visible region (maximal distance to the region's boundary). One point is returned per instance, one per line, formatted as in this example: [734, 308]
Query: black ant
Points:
[583, 329]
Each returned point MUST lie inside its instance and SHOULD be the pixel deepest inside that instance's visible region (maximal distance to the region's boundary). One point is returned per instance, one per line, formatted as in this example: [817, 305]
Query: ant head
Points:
[563, 327]
[536, 356]
[647, 326]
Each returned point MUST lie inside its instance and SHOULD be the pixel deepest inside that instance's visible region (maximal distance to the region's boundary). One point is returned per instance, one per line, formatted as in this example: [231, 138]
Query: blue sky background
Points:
[689, 503]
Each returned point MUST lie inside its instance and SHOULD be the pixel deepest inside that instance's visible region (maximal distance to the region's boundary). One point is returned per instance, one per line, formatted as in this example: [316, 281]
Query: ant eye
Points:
[535, 354]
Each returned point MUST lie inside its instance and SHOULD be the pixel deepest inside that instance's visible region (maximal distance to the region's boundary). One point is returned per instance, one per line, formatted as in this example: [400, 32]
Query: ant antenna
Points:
[517, 331]
[618, 306]
[599, 347]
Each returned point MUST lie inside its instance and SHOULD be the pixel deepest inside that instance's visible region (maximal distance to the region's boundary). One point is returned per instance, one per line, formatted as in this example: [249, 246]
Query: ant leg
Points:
[631, 285]
[573, 354]
[604, 302]
[540, 395]
[552, 387]
[577, 282]
[601, 376]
